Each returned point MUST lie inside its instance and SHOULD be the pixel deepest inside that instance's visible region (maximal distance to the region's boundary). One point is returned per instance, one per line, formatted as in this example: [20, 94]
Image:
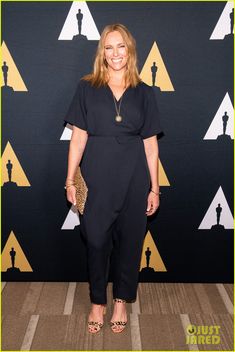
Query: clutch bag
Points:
[81, 190]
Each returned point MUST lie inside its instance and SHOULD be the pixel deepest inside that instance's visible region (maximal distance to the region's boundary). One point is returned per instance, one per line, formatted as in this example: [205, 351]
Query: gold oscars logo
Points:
[154, 72]
[13, 258]
[151, 260]
[11, 80]
[12, 172]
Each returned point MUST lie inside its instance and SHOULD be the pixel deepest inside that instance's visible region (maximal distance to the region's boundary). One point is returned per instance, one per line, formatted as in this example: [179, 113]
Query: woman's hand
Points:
[152, 203]
[71, 194]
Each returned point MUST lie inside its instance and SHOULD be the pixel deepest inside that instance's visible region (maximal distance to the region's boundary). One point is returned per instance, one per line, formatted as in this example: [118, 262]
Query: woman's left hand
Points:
[152, 203]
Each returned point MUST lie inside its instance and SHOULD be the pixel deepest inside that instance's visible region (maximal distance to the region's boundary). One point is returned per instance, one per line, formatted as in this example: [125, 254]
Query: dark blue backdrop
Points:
[201, 72]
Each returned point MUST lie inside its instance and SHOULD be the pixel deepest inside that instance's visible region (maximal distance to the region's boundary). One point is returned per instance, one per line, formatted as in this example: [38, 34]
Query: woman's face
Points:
[115, 51]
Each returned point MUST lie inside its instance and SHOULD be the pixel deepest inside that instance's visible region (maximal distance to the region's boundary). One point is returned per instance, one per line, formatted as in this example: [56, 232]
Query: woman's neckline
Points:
[117, 100]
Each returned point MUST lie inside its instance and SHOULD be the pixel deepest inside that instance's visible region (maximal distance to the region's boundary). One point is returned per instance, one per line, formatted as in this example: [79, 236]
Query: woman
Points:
[115, 122]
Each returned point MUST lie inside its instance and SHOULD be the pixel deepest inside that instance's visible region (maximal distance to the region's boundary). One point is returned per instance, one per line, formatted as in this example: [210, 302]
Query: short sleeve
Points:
[76, 114]
[152, 125]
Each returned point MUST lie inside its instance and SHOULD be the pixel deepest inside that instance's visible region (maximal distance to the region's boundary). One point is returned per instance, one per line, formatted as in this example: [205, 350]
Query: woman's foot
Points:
[119, 318]
[96, 317]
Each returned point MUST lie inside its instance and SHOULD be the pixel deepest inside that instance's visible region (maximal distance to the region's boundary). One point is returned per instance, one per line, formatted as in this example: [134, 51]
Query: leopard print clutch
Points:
[81, 191]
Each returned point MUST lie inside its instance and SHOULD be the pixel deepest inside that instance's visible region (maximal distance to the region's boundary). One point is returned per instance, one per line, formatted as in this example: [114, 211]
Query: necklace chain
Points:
[118, 109]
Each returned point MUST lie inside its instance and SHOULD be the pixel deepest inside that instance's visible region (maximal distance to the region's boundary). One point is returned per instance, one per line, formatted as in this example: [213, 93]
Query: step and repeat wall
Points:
[185, 52]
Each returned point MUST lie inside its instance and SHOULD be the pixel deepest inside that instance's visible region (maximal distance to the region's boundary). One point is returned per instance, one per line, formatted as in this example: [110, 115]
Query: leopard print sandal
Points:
[118, 326]
[95, 326]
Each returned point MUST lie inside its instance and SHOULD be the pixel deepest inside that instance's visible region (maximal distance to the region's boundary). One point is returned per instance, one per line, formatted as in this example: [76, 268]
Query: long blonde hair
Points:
[100, 76]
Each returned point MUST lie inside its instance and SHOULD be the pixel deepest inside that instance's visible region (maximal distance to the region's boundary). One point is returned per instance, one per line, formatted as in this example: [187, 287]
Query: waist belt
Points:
[120, 138]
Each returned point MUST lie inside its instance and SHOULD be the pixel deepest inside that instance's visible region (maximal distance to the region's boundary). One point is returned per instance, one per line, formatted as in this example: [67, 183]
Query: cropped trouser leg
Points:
[99, 245]
[129, 234]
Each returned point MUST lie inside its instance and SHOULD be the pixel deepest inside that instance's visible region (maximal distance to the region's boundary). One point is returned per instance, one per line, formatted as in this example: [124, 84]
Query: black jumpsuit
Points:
[115, 169]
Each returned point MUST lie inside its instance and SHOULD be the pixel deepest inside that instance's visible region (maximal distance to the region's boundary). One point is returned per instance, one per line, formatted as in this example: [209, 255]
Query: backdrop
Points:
[185, 51]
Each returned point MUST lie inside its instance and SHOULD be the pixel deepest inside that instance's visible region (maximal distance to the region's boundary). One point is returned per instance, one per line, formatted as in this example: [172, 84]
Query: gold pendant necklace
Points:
[118, 117]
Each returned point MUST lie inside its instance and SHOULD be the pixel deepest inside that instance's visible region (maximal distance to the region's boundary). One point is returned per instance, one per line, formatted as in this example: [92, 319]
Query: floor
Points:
[53, 315]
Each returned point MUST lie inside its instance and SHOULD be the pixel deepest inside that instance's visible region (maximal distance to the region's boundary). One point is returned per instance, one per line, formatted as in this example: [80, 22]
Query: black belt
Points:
[120, 138]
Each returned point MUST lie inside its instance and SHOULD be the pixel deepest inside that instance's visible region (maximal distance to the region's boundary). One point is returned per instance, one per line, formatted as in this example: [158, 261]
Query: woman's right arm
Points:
[76, 148]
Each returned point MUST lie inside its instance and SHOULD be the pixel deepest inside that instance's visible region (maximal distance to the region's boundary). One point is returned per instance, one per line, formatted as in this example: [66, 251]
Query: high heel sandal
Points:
[96, 325]
[120, 324]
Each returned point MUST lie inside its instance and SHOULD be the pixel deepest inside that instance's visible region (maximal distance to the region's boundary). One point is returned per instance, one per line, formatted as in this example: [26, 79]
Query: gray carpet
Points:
[53, 316]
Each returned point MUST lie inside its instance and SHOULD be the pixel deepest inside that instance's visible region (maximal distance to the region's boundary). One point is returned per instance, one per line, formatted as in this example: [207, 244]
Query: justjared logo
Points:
[203, 334]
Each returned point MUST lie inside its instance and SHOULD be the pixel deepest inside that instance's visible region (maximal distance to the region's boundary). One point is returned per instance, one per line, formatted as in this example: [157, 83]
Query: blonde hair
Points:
[100, 76]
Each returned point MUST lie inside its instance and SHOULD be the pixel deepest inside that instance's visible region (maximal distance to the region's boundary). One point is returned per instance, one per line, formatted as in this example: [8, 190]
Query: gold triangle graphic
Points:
[11, 168]
[14, 79]
[155, 260]
[163, 180]
[12, 247]
[162, 78]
